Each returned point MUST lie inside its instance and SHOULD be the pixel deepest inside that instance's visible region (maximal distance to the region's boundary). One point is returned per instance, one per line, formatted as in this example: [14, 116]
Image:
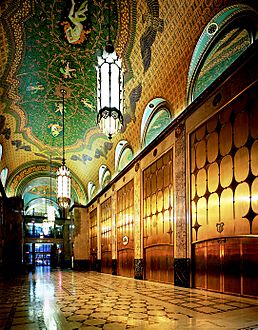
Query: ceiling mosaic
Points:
[47, 46]
[61, 46]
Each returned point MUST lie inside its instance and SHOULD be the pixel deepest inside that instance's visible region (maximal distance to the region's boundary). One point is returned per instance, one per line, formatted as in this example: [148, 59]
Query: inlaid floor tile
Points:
[208, 310]
[138, 310]
[190, 305]
[98, 315]
[114, 326]
[117, 318]
[77, 318]
[95, 322]
[157, 313]
[67, 300]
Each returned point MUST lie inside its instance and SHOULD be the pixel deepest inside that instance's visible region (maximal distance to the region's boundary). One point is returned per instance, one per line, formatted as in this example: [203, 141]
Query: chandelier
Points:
[63, 174]
[109, 90]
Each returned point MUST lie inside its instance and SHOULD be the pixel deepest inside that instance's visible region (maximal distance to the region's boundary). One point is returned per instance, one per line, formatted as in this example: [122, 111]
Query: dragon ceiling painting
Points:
[47, 46]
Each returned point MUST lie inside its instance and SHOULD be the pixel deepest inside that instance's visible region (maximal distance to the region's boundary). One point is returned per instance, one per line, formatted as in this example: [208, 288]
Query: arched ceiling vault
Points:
[46, 46]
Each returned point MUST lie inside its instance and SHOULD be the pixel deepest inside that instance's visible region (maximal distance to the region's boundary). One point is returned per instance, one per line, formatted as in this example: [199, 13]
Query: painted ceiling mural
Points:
[61, 47]
[49, 46]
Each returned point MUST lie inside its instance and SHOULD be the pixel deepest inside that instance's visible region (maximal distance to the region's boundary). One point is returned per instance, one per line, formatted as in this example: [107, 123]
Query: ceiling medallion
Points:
[212, 28]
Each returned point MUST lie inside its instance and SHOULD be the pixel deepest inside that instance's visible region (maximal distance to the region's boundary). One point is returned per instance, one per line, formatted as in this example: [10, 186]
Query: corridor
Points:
[88, 300]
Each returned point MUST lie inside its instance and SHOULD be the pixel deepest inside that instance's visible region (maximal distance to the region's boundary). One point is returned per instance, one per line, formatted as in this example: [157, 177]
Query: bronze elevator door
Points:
[227, 265]
[159, 263]
[93, 239]
[125, 230]
[106, 238]
[158, 220]
[125, 262]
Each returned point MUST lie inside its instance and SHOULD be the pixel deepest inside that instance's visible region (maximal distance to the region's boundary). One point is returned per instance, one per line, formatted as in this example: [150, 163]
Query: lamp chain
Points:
[63, 161]
[50, 182]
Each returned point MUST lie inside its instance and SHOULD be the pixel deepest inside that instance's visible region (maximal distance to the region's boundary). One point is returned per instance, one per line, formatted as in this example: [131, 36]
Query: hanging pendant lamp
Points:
[63, 175]
[109, 90]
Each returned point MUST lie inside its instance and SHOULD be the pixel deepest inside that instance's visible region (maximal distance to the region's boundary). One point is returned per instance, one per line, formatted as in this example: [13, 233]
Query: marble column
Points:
[181, 244]
[114, 231]
[66, 248]
[138, 239]
[81, 239]
[98, 261]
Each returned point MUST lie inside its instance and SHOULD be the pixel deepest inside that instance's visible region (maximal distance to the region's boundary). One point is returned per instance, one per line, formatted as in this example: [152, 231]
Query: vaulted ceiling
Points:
[47, 46]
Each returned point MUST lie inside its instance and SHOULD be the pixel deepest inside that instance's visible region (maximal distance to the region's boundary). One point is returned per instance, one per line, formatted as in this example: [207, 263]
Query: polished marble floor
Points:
[87, 300]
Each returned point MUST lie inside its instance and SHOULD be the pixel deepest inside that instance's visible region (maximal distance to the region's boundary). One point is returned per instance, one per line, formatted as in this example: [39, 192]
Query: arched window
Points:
[38, 206]
[223, 40]
[123, 155]
[155, 118]
[4, 174]
[91, 190]
[104, 176]
[1, 151]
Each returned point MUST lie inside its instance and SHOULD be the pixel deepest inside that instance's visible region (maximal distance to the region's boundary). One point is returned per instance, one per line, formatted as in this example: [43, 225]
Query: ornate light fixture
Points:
[63, 175]
[109, 90]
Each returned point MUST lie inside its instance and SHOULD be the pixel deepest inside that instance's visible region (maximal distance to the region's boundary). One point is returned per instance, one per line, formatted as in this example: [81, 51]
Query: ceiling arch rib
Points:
[19, 182]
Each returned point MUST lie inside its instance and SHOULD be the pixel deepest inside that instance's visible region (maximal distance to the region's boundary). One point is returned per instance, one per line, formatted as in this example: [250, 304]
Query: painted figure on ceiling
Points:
[66, 70]
[59, 107]
[87, 104]
[40, 190]
[55, 129]
[35, 88]
[75, 32]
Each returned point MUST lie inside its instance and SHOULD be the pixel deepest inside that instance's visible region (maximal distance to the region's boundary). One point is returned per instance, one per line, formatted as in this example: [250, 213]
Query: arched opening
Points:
[156, 117]
[223, 40]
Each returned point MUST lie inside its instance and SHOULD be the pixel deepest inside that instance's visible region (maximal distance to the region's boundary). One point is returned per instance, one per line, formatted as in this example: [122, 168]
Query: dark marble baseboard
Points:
[138, 269]
[98, 265]
[182, 271]
[83, 264]
[114, 266]
[65, 264]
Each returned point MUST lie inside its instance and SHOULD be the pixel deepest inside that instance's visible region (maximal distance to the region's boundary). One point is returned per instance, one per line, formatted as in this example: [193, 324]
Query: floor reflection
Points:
[41, 297]
[59, 299]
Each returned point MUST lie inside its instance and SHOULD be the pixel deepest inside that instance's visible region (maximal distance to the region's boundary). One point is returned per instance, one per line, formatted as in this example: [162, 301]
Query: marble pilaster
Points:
[113, 223]
[182, 268]
[114, 266]
[138, 269]
[98, 234]
[98, 265]
[67, 245]
[138, 246]
[81, 238]
[182, 242]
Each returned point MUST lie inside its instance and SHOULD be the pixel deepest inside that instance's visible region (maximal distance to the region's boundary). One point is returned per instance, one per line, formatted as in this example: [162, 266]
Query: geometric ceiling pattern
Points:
[61, 56]
[61, 44]
[47, 45]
